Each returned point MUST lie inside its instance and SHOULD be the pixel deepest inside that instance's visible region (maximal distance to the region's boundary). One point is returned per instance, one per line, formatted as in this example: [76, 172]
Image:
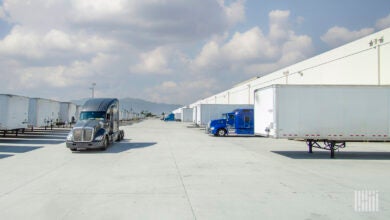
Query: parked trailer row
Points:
[13, 112]
[19, 112]
[186, 114]
[126, 115]
[43, 112]
[325, 117]
[68, 112]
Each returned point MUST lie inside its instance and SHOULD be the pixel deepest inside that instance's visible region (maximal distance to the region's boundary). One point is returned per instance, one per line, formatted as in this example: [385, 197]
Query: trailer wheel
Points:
[221, 132]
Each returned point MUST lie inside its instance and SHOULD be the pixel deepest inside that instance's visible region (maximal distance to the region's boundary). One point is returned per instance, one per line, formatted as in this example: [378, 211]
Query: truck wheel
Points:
[105, 144]
[221, 132]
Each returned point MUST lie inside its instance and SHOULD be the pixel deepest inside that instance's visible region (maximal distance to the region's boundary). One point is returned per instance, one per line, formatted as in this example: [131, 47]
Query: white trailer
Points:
[177, 116]
[194, 114]
[207, 112]
[43, 112]
[332, 114]
[125, 115]
[13, 112]
[78, 110]
[186, 114]
[122, 115]
[68, 112]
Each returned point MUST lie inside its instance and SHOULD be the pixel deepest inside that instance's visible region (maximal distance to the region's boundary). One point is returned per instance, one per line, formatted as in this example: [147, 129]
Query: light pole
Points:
[93, 89]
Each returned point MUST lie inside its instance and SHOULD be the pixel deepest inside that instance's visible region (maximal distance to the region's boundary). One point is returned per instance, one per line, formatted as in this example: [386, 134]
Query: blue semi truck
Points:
[170, 117]
[238, 122]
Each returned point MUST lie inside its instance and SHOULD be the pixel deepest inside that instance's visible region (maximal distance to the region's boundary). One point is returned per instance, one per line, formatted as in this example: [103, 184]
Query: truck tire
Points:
[120, 136]
[105, 144]
[221, 132]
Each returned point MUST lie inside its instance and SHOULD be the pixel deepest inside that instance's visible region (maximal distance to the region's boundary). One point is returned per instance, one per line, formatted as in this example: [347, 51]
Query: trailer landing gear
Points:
[328, 145]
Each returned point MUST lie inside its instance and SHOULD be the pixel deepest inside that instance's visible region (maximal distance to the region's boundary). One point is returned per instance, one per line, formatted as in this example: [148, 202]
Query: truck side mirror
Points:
[108, 116]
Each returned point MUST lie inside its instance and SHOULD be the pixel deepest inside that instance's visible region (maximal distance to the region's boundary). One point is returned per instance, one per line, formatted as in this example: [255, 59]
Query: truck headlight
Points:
[99, 138]
[212, 128]
[70, 137]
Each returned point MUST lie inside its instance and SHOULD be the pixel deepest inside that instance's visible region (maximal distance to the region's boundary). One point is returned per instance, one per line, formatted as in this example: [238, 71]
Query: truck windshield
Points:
[228, 116]
[92, 115]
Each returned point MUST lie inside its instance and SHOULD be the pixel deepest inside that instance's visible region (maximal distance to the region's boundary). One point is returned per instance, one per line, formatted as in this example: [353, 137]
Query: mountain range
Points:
[138, 105]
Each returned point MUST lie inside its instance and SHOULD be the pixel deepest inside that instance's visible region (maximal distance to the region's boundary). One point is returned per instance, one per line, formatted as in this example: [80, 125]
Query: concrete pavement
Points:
[164, 170]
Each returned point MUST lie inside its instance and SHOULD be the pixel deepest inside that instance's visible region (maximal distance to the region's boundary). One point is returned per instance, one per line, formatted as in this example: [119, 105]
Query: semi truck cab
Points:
[238, 122]
[170, 117]
[98, 126]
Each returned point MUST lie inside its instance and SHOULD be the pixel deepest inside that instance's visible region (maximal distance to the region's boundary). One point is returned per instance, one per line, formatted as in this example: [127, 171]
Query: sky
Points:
[167, 51]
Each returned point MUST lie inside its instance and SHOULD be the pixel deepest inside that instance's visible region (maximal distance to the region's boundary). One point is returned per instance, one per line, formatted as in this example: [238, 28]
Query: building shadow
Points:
[18, 149]
[2, 156]
[339, 155]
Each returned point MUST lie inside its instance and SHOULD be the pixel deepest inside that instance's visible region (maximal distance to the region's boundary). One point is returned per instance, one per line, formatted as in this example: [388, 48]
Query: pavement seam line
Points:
[184, 187]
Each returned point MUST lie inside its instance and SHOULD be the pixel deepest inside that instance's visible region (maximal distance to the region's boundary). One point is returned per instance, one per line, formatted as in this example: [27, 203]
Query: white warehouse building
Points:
[362, 62]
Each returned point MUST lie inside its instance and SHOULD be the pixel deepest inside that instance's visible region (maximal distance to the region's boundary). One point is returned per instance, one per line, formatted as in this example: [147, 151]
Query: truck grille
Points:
[82, 134]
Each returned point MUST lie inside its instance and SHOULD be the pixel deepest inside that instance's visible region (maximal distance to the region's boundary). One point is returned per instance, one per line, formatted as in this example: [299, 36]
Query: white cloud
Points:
[208, 56]
[152, 22]
[56, 39]
[279, 25]
[2, 13]
[71, 78]
[37, 14]
[93, 9]
[49, 77]
[154, 62]
[253, 52]
[143, 49]
[297, 48]
[248, 46]
[20, 42]
[235, 12]
[168, 85]
[337, 36]
[383, 23]
[202, 87]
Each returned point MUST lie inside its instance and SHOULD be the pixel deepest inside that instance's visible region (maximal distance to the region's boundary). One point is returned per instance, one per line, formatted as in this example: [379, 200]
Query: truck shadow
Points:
[342, 155]
[237, 136]
[2, 156]
[119, 147]
[126, 145]
[18, 149]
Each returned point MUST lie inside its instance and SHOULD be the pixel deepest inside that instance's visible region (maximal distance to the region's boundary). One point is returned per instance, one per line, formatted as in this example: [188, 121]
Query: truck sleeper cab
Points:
[98, 126]
[238, 122]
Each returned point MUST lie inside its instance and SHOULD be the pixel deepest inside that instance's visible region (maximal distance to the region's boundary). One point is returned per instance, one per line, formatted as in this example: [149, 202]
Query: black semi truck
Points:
[98, 125]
